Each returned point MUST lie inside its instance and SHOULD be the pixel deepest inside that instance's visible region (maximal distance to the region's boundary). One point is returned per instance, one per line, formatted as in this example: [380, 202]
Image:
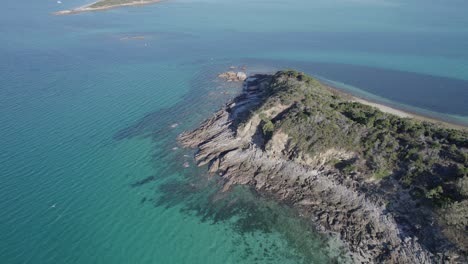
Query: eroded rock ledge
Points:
[249, 141]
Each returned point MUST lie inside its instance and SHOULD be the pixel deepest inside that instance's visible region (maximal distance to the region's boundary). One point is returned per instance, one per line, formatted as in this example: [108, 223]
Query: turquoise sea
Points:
[89, 172]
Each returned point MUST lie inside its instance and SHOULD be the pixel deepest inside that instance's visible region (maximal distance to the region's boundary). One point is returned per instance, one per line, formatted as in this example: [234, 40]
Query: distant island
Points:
[106, 4]
[394, 189]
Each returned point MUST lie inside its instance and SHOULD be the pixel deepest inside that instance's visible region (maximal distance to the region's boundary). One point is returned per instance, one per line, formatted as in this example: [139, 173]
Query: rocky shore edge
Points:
[230, 144]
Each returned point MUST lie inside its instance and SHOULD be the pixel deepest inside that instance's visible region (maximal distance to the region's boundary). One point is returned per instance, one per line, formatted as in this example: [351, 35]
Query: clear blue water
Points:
[87, 169]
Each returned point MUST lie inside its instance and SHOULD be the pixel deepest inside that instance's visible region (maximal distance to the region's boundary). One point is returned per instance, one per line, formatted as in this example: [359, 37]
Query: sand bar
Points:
[94, 7]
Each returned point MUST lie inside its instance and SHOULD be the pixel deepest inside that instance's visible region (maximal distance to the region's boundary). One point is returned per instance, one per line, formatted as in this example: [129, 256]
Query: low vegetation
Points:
[105, 3]
[430, 160]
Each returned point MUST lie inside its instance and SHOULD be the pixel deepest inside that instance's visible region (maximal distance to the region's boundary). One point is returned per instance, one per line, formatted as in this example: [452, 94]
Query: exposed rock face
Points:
[232, 76]
[232, 144]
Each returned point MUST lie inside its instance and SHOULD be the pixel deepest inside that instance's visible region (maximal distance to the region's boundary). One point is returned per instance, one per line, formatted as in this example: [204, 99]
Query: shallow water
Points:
[88, 172]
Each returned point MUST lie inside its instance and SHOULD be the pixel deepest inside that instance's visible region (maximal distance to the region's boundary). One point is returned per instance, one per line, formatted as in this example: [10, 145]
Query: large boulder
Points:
[231, 76]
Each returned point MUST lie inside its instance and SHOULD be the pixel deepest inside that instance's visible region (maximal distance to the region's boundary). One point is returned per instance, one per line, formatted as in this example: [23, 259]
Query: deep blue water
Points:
[88, 173]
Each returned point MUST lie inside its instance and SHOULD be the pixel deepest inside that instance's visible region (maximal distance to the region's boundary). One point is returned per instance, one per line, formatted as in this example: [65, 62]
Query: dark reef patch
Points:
[247, 213]
[143, 181]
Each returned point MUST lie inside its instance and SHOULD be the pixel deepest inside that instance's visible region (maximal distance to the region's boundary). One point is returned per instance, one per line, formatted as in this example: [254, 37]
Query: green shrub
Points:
[380, 174]
[349, 168]
[434, 193]
[268, 127]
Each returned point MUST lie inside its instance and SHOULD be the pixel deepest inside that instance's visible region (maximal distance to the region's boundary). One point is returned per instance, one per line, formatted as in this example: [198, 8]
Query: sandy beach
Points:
[395, 111]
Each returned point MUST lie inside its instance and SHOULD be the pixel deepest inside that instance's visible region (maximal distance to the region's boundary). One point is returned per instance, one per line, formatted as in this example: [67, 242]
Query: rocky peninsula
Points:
[393, 189]
[106, 4]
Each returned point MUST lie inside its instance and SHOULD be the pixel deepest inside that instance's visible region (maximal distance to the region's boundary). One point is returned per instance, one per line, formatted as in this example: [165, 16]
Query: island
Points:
[105, 4]
[393, 189]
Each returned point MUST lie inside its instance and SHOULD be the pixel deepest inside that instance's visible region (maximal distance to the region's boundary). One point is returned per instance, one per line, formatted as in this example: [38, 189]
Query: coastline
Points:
[88, 8]
[395, 111]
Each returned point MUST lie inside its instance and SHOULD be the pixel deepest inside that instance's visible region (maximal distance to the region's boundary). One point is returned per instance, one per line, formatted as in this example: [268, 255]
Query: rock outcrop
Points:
[231, 76]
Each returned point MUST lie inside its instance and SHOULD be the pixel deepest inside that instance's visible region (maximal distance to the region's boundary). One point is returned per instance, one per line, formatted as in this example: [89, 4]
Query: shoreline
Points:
[231, 146]
[395, 111]
[88, 8]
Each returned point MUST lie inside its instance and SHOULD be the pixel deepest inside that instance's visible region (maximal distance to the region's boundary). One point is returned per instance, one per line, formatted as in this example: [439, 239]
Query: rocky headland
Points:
[393, 189]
